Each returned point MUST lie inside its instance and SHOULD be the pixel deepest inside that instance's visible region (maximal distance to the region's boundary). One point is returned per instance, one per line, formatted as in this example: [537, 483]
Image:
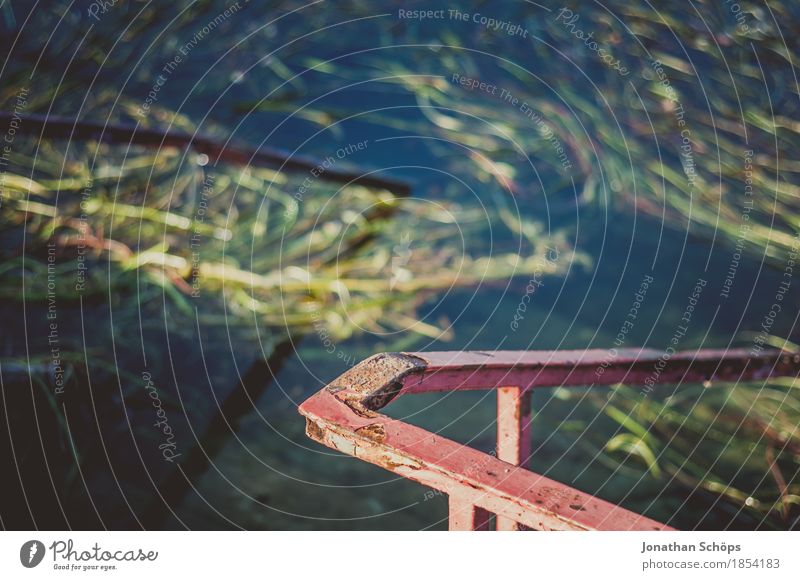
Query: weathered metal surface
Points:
[344, 416]
[371, 384]
[484, 481]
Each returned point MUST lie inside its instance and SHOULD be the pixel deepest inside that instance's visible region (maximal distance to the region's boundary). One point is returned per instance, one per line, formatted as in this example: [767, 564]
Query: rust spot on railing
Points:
[372, 384]
[314, 431]
[375, 432]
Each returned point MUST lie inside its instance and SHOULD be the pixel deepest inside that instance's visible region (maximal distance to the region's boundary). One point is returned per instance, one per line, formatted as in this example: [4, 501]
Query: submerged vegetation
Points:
[523, 134]
[737, 447]
[147, 224]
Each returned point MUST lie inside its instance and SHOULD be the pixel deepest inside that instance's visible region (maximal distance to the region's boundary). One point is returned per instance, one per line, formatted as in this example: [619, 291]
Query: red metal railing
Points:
[344, 416]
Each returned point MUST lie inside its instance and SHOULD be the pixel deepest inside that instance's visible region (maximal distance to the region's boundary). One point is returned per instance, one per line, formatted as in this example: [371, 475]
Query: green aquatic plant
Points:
[749, 431]
[139, 219]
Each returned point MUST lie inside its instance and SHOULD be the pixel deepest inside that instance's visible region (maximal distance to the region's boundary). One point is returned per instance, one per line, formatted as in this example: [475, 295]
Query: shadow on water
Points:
[220, 429]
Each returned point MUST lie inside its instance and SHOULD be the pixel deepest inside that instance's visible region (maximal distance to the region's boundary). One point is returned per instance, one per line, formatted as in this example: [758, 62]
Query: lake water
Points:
[252, 466]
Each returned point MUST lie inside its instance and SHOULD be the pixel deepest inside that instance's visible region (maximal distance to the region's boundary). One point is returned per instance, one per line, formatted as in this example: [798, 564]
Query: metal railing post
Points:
[466, 516]
[513, 435]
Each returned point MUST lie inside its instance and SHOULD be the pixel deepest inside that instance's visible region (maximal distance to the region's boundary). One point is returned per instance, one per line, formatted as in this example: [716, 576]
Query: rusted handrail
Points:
[344, 416]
